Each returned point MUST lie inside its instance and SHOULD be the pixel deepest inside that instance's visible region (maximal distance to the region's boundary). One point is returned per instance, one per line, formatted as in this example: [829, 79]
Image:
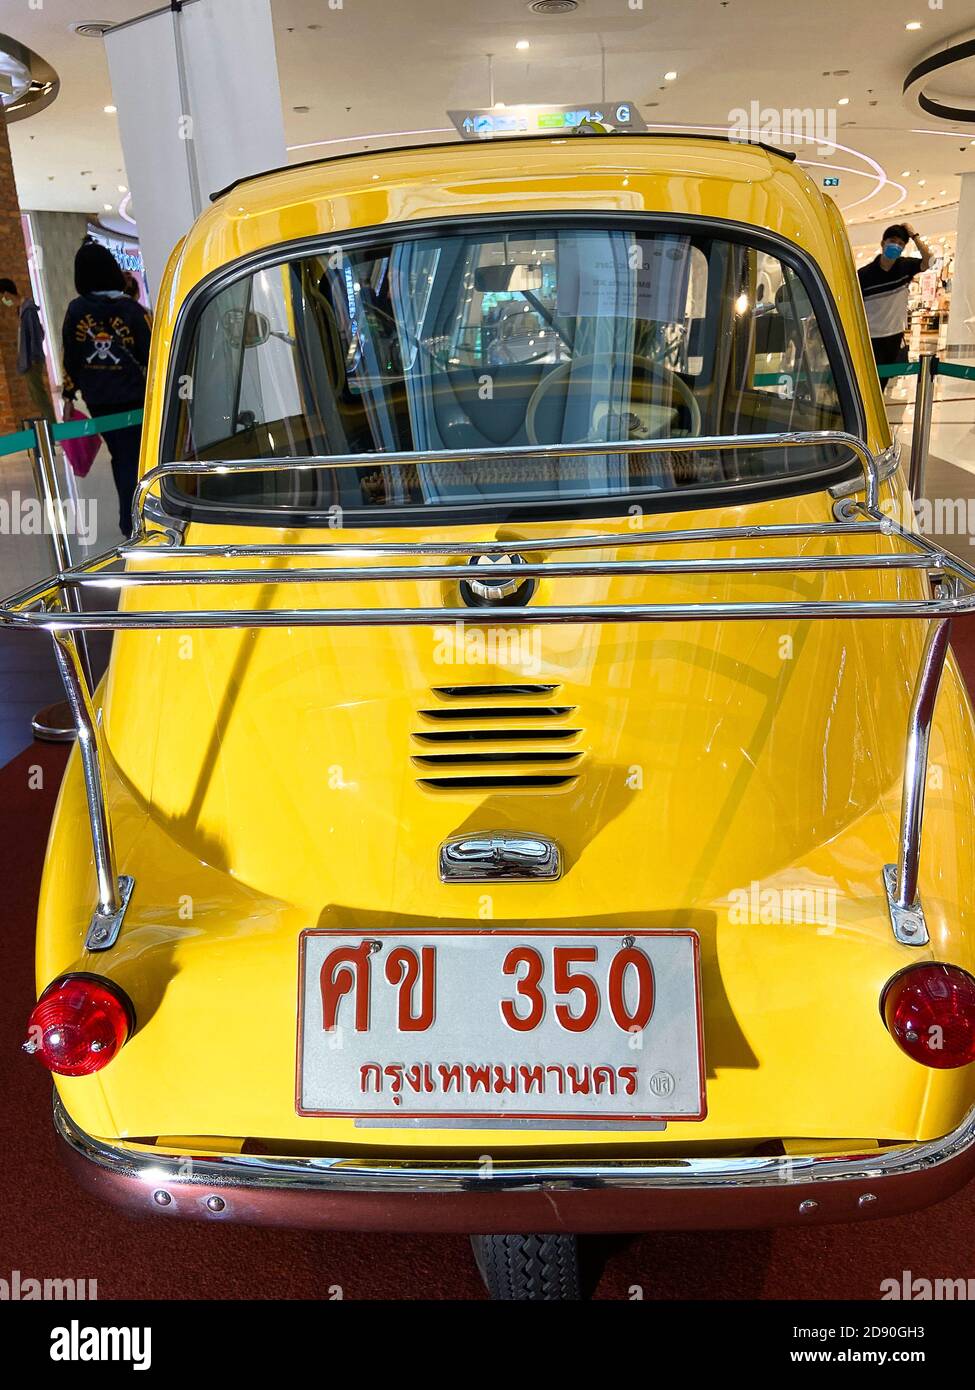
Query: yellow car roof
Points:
[682, 175]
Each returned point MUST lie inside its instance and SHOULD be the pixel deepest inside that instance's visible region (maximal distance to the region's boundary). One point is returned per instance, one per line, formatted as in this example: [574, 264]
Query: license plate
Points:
[501, 1025]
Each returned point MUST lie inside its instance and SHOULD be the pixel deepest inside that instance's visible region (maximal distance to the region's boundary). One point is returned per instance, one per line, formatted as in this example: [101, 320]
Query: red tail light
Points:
[79, 1024]
[929, 1010]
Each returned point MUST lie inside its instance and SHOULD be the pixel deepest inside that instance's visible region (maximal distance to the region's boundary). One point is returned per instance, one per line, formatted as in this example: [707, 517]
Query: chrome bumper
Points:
[472, 1195]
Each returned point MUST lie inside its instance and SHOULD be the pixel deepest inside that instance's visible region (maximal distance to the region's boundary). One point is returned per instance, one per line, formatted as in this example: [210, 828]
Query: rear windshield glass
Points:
[494, 338]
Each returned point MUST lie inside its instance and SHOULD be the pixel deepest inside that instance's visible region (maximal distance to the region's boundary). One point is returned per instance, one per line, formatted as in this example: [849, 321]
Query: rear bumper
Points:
[513, 1196]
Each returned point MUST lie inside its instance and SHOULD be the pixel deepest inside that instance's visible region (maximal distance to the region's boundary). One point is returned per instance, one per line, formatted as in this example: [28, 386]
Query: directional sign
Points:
[485, 124]
[831, 183]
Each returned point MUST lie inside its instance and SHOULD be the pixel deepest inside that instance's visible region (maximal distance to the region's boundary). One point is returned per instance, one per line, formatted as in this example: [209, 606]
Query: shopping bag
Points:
[80, 451]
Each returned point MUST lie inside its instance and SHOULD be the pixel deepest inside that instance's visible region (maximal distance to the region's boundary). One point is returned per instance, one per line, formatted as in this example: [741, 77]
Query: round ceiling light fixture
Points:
[27, 82]
[553, 6]
[941, 85]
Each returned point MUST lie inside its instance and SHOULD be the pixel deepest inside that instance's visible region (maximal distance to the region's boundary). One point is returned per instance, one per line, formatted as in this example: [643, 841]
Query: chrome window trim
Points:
[888, 461]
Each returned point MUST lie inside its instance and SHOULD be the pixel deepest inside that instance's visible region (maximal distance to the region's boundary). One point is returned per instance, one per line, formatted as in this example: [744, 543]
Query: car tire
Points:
[530, 1268]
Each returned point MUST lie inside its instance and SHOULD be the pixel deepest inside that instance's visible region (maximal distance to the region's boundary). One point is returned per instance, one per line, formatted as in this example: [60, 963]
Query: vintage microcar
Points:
[502, 812]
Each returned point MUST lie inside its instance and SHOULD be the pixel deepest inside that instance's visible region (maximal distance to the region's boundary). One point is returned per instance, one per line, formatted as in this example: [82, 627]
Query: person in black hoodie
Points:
[106, 352]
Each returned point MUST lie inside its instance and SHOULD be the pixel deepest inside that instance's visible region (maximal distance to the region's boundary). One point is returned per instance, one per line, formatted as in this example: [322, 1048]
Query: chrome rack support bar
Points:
[680, 444]
[49, 489]
[113, 892]
[906, 913]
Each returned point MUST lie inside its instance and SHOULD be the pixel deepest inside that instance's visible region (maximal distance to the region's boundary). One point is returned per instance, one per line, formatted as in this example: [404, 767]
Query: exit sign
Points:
[831, 183]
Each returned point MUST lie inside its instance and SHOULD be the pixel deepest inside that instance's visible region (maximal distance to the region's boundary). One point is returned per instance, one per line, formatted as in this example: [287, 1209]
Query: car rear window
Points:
[497, 336]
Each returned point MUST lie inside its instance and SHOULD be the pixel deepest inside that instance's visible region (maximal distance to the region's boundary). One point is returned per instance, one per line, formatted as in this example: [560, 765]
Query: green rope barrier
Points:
[70, 429]
[75, 429]
[898, 369]
[16, 443]
[956, 369]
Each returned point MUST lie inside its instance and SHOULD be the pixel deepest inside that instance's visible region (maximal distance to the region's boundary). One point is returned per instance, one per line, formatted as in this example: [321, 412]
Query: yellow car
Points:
[531, 793]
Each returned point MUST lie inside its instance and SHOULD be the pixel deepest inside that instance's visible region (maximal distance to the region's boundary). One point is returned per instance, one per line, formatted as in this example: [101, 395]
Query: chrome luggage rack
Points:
[54, 605]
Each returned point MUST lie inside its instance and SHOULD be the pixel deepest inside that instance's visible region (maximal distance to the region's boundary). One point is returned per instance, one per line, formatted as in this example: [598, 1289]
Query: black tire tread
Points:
[529, 1268]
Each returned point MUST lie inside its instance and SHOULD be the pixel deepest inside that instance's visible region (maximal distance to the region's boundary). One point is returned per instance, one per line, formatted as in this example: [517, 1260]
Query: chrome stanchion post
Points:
[54, 723]
[921, 438]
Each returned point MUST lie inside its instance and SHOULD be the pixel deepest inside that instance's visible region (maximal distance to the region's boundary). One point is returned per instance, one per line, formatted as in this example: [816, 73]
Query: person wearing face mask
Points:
[885, 283]
[30, 347]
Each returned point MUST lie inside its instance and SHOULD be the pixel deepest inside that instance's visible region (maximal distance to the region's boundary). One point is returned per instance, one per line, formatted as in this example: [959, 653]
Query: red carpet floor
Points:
[49, 1229]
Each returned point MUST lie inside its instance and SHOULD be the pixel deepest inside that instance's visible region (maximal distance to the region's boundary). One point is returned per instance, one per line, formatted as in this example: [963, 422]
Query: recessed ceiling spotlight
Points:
[553, 6]
[522, 44]
[499, 106]
[122, 188]
[110, 110]
[843, 101]
[913, 24]
[942, 192]
[670, 76]
[921, 183]
[107, 207]
[905, 173]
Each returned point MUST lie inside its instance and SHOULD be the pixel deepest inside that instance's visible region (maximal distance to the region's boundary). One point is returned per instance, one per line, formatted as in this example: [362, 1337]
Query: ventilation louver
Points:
[496, 738]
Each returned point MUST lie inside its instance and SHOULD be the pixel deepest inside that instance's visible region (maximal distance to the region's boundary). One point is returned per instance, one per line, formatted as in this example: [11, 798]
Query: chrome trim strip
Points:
[888, 461]
[343, 1174]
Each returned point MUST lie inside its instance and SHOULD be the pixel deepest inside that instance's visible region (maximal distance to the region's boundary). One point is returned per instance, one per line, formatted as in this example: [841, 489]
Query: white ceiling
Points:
[374, 67]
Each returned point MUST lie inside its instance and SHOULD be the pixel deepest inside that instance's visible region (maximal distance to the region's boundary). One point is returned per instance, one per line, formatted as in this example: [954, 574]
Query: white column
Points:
[199, 106]
[961, 318]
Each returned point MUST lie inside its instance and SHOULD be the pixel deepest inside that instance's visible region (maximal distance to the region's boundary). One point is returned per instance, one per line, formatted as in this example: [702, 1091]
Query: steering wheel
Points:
[655, 378]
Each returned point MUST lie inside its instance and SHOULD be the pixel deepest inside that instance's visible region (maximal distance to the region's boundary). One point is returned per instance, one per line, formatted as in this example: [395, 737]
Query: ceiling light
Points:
[942, 192]
[921, 183]
[913, 24]
[107, 207]
[499, 106]
[110, 110]
[122, 188]
[905, 173]
[522, 44]
[843, 101]
[670, 76]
